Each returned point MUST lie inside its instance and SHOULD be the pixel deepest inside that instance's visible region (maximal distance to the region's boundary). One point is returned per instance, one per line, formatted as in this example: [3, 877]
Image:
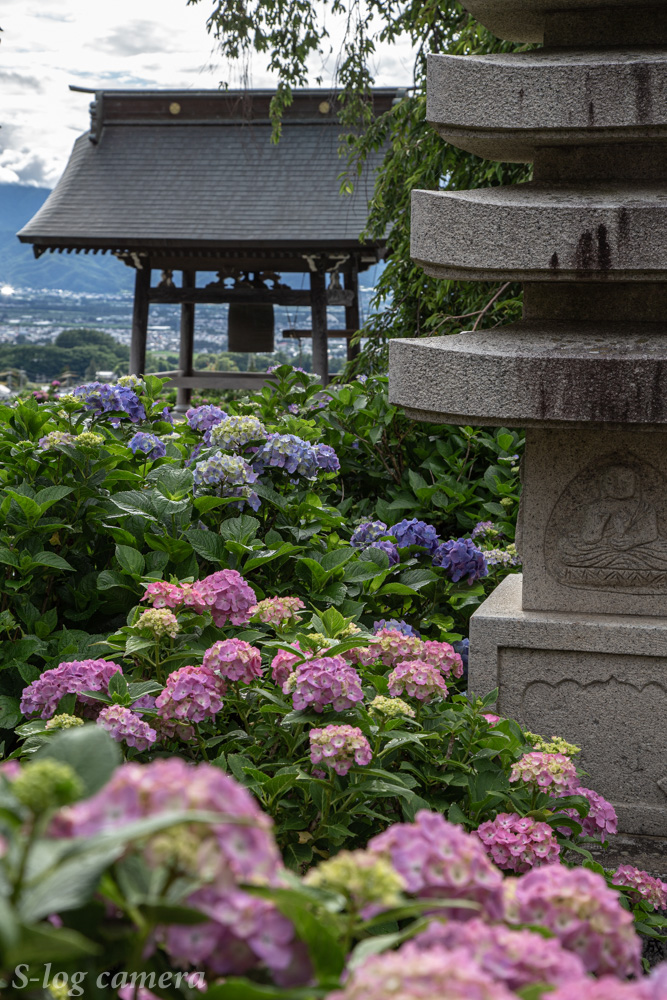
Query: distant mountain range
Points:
[68, 272]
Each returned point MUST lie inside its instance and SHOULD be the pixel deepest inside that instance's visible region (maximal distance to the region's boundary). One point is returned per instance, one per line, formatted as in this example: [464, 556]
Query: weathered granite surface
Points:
[505, 106]
[609, 22]
[525, 374]
[600, 681]
[593, 529]
[534, 232]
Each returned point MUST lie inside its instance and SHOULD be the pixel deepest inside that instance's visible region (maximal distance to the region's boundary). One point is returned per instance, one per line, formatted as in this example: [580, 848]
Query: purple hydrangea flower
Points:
[203, 418]
[100, 397]
[579, 908]
[484, 528]
[149, 444]
[192, 694]
[439, 859]
[295, 456]
[462, 647]
[166, 415]
[327, 459]
[461, 559]
[234, 660]
[67, 678]
[516, 958]
[326, 680]
[601, 819]
[367, 533]
[390, 550]
[414, 532]
[124, 726]
[396, 626]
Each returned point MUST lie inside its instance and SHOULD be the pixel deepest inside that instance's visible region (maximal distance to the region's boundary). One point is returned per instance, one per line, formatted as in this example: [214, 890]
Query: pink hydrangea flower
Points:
[326, 680]
[418, 679]
[339, 747]
[546, 770]
[282, 664]
[517, 843]
[443, 656]
[583, 913]
[164, 595]
[439, 859]
[234, 660]
[606, 988]
[242, 933]
[124, 726]
[278, 611]
[225, 594]
[645, 886]
[191, 695]
[517, 958]
[67, 678]
[601, 819]
[491, 718]
[415, 974]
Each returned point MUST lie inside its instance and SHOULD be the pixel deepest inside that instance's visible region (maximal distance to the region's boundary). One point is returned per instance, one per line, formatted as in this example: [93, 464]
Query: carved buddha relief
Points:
[608, 530]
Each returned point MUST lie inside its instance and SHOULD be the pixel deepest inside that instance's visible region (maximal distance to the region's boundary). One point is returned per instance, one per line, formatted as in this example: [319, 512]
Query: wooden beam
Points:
[142, 284]
[331, 334]
[215, 380]
[187, 342]
[318, 311]
[278, 296]
[351, 279]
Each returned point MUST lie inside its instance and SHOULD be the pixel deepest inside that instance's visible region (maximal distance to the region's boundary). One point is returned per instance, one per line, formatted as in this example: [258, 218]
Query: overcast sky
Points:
[49, 44]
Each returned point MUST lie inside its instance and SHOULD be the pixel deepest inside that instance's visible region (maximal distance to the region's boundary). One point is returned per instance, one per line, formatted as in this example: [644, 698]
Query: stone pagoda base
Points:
[597, 680]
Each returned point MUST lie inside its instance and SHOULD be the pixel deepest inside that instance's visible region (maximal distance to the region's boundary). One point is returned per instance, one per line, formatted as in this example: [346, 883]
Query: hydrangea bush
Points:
[228, 658]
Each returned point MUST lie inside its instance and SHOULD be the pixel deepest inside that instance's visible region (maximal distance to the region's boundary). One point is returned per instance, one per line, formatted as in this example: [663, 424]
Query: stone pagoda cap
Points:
[559, 21]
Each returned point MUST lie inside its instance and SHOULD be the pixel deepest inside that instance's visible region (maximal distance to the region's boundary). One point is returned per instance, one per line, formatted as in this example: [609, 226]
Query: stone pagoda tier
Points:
[577, 645]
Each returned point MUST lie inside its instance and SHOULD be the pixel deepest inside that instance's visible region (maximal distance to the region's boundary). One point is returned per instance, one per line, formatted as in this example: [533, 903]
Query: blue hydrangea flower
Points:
[389, 548]
[233, 433]
[294, 455]
[414, 532]
[203, 418]
[166, 415]
[149, 444]
[367, 533]
[461, 559]
[397, 626]
[100, 397]
[232, 474]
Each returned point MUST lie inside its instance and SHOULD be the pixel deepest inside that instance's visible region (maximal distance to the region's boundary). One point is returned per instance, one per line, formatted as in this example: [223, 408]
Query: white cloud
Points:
[128, 43]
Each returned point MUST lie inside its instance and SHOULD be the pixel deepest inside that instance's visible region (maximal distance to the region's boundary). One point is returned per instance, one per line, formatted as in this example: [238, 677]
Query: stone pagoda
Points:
[577, 645]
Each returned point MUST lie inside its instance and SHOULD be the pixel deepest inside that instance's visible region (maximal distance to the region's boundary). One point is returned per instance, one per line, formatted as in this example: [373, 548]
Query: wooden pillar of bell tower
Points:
[352, 319]
[318, 309]
[142, 284]
[187, 345]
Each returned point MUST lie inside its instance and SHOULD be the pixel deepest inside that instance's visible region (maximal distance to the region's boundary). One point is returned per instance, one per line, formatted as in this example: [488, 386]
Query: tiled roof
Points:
[150, 180]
